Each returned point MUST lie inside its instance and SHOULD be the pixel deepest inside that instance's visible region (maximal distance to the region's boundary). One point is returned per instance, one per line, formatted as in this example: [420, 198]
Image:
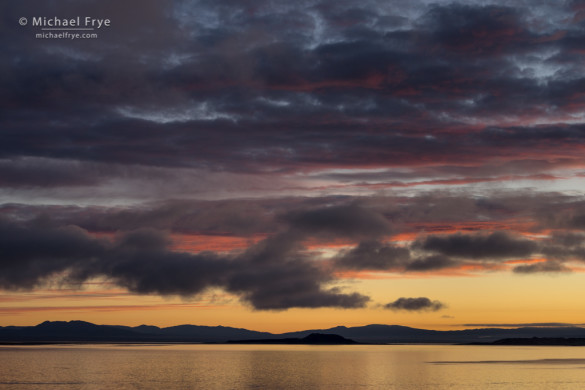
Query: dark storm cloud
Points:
[391, 214]
[431, 212]
[542, 267]
[535, 136]
[270, 275]
[415, 304]
[29, 172]
[140, 262]
[43, 173]
[204, 85]
[498, 171]
[350, 220]
[267, 274]
[496, 245]
[276, 275]
[215, 100]
[577, 221]
[476, 30]
[431, 263]
[31, 253]
[326, 217]
[568, 239]
[239, 217]
[562, 247]
[373, 255]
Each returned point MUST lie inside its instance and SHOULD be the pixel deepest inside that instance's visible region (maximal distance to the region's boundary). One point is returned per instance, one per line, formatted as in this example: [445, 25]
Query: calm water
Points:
[401, 367]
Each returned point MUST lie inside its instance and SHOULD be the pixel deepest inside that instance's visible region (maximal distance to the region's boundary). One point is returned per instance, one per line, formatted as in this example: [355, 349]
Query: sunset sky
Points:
[279, 165]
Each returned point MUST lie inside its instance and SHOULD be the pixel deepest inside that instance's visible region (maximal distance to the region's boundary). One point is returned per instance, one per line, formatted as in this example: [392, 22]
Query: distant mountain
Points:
[80, 331]
[197, 333]
[542, 341]
[65, 331]
[404, 334]
[312, 339]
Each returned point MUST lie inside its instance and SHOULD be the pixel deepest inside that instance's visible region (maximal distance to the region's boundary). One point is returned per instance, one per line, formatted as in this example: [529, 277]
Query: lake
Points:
[401, 367]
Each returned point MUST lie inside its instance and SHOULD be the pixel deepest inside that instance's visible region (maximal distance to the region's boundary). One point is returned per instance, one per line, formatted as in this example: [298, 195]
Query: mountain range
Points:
[81, 331]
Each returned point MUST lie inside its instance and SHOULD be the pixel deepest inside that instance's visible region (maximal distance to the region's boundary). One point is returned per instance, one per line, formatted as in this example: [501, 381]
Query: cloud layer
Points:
[448, 92]
[270, 275]
[323, 139]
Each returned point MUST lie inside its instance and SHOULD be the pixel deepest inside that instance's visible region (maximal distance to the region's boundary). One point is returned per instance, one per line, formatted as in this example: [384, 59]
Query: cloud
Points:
[289, 118]
[353, 220]
[42, 172]
[542, 267]
[272, 274]
[415, 304]
[577, 222]
[373, 255]
[431, 263]
[200, 65]
[475, 30]
[29, 254]
[497, 245]
[565, 246]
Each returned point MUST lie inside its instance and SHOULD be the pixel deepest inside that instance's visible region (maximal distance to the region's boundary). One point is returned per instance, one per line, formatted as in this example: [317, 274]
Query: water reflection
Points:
[538, 361]
[291, 367]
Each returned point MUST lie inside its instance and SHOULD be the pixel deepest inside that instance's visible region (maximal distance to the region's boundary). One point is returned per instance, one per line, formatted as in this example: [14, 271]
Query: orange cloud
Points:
[200, 242]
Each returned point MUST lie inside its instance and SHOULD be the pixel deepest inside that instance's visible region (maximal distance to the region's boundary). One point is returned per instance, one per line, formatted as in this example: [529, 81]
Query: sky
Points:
[280, 165]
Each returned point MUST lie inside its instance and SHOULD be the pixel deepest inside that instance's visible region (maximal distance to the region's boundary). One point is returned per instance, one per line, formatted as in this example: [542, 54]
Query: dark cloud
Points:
[274, 275]
[40, 244]
[577, 222]
[323, 216]
[270, 275]
[542, 267]
[229, 217]
[429, 212]
[253, 103]
[351, 220]
[373, 255]
[415, 304]
[42, 173]
[476, 31]
[560, 247]
[204, 85]
[568, 239]
[431, 263]
[29, 254]
[496, 245]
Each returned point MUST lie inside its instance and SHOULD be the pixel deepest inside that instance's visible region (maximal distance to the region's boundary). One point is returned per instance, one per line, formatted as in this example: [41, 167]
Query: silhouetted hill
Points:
[80, 331]
[66, 331]
[542, 341]
[376, 333]
[320, 338]
[212, 333]
[404, 334]
[312, 339]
